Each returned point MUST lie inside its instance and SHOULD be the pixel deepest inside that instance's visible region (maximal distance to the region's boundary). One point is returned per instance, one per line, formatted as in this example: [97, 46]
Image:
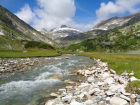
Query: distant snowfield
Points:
[66, 29]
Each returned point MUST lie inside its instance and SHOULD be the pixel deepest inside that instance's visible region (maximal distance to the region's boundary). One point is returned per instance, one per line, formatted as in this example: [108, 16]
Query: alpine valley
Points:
[115, 35]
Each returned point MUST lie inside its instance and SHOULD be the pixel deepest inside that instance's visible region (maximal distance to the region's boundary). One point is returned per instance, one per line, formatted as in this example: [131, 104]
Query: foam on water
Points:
[15, 87]
[43, 76]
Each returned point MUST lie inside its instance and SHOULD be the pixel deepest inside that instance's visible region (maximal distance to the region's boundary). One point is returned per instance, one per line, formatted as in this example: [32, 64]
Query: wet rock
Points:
[53, 95]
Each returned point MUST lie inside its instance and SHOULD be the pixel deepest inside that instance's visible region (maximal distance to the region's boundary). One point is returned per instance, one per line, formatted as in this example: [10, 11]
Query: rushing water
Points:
[32, 86]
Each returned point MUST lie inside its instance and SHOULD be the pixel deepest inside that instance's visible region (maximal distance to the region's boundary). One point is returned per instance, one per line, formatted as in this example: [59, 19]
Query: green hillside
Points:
[116, 41]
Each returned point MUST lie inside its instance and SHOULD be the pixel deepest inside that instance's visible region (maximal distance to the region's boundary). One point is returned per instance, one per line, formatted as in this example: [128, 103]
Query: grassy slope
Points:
[119, 62]
[34, 52]
[122, 40]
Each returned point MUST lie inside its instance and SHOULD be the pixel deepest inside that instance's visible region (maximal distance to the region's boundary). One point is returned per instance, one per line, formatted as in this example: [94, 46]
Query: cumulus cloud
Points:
[117, 7]
[51, 14]
[26, 14]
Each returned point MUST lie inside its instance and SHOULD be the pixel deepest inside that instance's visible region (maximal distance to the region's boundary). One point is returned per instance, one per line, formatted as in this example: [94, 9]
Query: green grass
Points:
[133, 87]
[119, 62]
[34, 52]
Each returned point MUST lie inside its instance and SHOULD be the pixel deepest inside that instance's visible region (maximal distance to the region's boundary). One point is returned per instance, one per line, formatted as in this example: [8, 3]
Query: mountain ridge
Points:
[13, 28]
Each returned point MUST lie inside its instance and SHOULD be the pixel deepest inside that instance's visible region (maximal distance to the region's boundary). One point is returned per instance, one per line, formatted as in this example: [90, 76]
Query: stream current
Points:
[32, 87]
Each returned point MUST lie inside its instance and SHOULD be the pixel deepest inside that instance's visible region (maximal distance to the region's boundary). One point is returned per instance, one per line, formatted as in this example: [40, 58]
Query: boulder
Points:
[53, 95]
[90, 79]
[87, 72]
[67, 99]
[118, 101]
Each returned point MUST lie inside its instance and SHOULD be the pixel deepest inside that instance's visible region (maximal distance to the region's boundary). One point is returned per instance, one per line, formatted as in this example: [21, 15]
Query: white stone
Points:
[87, 72]
[112, 71]
[124, 97]
[132, 73]
[76, 103]
[54, 95]
[124, 93]
[105, 75]
[88, 102]
[50, 102]
[133, 96]
[94, 90]
[133, 79]
[124, 73]
[83, 85]
[108, 98]
[62, 90]
[137, 103]
[66, 98]
[90, 79]
[109, 80]
[118, 101]
[100, 83]
[109, 93]
[114, 88]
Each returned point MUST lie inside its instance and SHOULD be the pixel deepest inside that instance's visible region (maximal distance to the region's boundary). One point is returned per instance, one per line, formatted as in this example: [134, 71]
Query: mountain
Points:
[117, 22]
[116, 41]
[43, 31]
[57, 33]
[13, 31]
[101, 28]
[66, 29]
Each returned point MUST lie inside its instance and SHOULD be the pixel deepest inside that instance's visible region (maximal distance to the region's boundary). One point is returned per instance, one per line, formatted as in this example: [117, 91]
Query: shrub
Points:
[33, 44]
[45, 46]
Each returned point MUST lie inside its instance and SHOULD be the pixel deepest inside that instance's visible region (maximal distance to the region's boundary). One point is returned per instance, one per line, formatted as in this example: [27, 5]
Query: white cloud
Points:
[51, 14]
[117, 7]
[26, 14]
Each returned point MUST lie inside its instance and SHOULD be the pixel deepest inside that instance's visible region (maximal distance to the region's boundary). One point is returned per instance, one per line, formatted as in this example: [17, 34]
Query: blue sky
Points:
[80, 14]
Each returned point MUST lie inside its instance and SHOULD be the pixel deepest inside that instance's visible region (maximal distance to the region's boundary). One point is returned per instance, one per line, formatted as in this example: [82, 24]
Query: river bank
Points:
[10, 65]
[102, 87]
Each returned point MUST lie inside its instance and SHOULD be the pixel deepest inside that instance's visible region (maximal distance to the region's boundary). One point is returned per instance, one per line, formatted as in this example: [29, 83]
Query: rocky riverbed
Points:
[21, 64]
[102, 87]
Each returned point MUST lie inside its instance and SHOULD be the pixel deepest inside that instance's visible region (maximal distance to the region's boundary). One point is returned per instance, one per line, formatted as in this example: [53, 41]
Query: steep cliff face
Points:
[12, 29]
[117, 22]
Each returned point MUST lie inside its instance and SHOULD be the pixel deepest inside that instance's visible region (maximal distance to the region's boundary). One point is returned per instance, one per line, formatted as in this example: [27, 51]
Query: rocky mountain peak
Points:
[64, 26]
[117, 22]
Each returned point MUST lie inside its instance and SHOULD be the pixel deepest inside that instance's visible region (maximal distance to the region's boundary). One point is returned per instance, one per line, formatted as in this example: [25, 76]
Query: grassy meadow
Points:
[119, 62]
[29, 52]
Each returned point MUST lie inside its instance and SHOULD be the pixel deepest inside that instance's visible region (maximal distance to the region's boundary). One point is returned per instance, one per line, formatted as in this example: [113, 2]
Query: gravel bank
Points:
[102, 87]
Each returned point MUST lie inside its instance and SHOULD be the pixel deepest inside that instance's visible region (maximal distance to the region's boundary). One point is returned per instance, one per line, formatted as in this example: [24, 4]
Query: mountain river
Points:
[32, 87]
